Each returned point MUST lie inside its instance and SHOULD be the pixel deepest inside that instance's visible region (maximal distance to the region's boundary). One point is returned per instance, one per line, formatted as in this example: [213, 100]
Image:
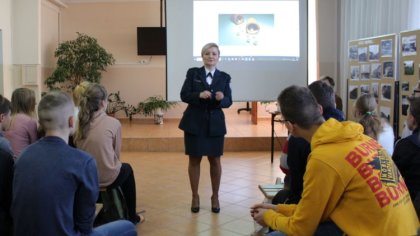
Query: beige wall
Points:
[115, 25]
[328, 38]
[5, 26]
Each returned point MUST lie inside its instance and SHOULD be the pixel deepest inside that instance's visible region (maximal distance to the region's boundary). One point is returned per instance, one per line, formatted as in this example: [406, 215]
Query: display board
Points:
[409, 72]
[373, 69]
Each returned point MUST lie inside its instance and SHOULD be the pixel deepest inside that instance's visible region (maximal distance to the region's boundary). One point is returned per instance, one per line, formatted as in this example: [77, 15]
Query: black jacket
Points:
[199, 111]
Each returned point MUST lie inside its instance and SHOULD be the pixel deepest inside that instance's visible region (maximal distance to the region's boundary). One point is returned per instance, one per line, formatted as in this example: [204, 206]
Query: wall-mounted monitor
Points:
[151, 41]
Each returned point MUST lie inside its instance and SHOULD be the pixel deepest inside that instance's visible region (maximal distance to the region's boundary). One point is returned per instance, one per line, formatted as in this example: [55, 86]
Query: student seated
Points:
[350, 184]
[299, 148]
[407, 153]
[100, 135]
[6, 170]
[374, 126]
[23, 128]
[55, 186]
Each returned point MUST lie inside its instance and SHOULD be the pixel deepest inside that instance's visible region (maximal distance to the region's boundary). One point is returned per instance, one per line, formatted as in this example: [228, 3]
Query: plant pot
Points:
[158, 116]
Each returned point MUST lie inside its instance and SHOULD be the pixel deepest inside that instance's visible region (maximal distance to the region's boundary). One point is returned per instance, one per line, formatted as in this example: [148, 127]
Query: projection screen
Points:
[263, 44]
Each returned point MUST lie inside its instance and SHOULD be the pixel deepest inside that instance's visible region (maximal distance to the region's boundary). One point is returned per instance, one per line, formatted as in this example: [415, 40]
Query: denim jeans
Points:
[326, 228]
[119, 227]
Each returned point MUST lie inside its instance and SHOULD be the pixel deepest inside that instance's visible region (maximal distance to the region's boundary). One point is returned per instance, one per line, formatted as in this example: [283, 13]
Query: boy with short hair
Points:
[350, 184]
[55, 186]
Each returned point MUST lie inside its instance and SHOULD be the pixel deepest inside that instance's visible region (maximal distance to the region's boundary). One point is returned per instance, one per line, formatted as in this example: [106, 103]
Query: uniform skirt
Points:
[203, 144]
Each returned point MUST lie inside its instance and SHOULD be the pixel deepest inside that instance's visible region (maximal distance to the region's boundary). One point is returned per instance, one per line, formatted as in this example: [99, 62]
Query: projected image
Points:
[245, 29]
[248, 30]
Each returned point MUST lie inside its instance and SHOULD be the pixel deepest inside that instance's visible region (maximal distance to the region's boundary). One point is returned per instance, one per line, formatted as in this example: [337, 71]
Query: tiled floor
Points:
[163, 191]
[163, 188]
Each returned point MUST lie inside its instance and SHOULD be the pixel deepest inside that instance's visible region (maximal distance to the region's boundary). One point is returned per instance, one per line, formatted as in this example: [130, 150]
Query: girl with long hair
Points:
[23, 128]
[100, 135]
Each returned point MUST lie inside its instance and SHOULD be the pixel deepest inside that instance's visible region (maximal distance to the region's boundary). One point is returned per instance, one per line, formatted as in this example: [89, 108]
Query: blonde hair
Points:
[90, 103]
[78, 92]
[210, 45]
[366, 107]
[23, 101]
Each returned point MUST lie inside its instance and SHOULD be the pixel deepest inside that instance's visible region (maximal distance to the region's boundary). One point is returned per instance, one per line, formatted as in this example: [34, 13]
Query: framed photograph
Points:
[364, 71]
[353, 92]
[375, 90]
[404, 105]
[408, 67]
[388, 69]
[386, 92]
[405, 86]
[409, 45]
[364, 89]
[375, 71]
[374, 52]
[353, 55]
[362, 52]
[355, 73]
[386, 48]
[385, 113]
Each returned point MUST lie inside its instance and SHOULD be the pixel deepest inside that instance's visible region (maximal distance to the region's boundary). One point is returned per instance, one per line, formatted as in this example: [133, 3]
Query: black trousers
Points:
[126, 182]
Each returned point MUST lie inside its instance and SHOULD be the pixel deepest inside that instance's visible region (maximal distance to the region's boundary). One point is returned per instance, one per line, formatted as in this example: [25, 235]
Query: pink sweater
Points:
[21, 133]
[103, 142]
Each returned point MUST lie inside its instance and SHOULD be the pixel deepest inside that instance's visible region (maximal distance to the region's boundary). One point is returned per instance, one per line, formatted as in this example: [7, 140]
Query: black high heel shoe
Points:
[215, 206]
[195, 205]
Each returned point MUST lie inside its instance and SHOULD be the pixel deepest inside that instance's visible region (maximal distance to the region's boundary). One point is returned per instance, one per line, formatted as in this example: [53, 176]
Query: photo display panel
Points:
[263, 44]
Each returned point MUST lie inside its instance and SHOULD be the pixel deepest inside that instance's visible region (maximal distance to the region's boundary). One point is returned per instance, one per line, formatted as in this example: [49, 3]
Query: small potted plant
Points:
[131, 110]
[115, 104]
[155, 106]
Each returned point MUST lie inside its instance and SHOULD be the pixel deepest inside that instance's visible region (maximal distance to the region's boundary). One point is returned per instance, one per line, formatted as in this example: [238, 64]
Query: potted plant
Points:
[155, 106]
[78, 60]
[115, 104]
[131, 110]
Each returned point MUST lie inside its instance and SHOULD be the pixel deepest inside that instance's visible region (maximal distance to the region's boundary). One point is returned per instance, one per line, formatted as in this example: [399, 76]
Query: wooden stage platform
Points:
[142, 135]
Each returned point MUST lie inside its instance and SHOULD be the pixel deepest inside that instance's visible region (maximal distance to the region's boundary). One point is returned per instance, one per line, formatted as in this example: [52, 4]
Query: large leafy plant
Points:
[78, 60]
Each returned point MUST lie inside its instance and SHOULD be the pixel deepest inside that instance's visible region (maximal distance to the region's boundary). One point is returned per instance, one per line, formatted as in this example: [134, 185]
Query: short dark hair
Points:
[298, 105]
[5, 105]
[323, 93]
[415, 108]
[330, 80]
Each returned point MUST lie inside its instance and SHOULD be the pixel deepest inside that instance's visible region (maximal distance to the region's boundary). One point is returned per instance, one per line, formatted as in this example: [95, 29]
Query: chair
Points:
[114, 206]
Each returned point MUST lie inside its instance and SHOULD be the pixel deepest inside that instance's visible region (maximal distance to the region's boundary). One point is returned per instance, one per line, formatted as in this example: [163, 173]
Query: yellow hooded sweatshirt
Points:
[351, 180]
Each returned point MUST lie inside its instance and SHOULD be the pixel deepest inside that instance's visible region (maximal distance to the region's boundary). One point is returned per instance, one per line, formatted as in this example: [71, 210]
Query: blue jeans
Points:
[119, 227]
[327, 228]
